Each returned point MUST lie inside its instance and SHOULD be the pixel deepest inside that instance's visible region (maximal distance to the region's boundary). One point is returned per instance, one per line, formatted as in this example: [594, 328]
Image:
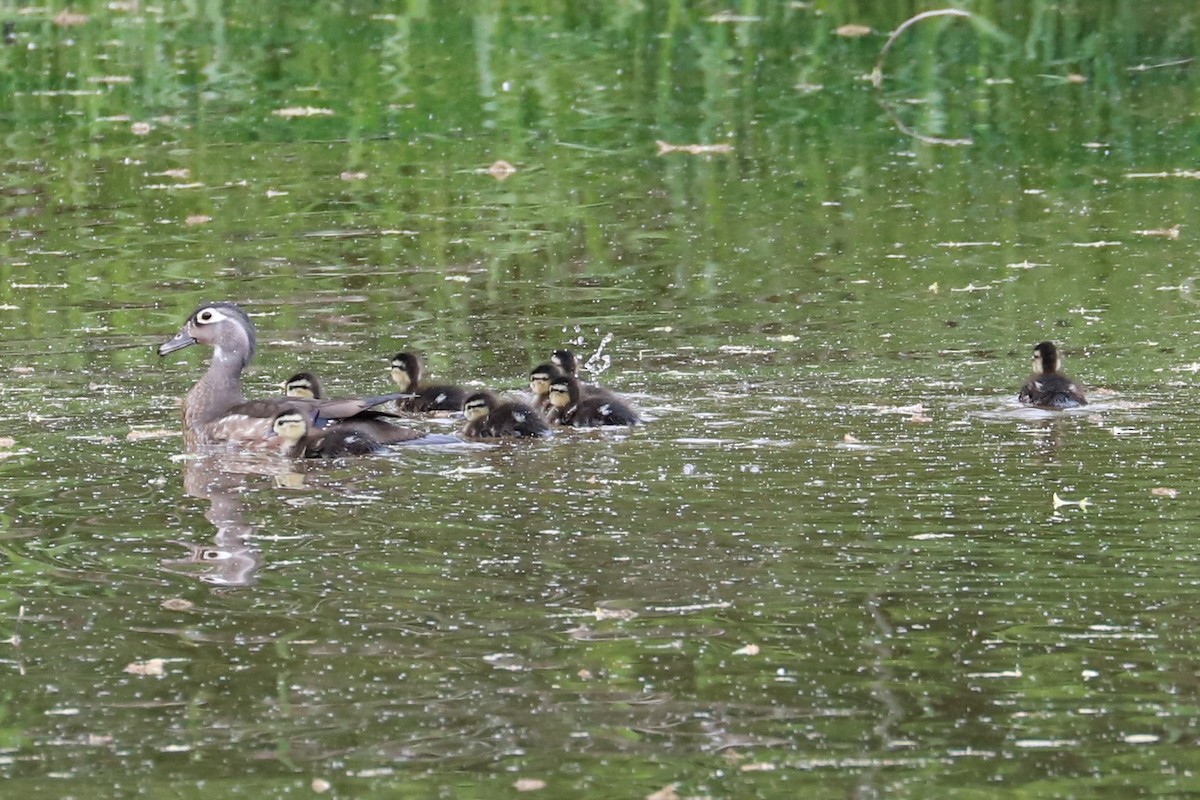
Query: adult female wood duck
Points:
[304, 384]
[1048, 388]
[570, 406]
[488, 417]
[539, 383]
[406, 373]
[216, 411]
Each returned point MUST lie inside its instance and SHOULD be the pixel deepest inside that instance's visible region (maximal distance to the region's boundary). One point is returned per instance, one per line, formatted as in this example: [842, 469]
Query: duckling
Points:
[216, 411]
[1048, 388]
[539, 383]
[303, 384]
[289, 433]
[487, 417]
[571, 407]
[406, 373]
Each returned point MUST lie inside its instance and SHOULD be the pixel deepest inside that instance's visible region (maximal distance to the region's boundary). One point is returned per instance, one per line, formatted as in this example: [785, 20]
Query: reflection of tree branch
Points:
[15, 641]
[881, 689]
[877, 76]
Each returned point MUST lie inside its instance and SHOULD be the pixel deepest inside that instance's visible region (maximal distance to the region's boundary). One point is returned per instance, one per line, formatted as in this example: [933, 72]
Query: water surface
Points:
[831, 562]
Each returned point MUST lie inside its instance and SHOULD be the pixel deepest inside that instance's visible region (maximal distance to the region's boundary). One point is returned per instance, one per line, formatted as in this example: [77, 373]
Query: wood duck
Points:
[216, 411]
[570, 406]
[303, 384]
[1046, 387]
[406, 373]
[488, 417]
[539, 383]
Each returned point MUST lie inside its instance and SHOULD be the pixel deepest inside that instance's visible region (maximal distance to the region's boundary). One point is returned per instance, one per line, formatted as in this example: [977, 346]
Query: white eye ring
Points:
[207, 315]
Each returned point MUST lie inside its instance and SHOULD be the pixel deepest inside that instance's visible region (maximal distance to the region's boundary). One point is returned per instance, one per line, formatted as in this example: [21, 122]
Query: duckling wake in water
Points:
[1048, 388]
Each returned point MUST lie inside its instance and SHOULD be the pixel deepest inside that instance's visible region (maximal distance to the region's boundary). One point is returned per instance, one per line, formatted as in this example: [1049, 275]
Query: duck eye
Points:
[206, 315]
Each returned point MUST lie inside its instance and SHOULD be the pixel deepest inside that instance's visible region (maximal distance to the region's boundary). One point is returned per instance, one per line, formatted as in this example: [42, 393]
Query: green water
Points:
[830, 563]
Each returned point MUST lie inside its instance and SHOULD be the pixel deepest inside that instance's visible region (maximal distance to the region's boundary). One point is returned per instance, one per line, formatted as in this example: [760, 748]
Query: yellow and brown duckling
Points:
[539, 383]
[406, 373]
[216, 411]
[289, 433]
[571, 406]
[1046, 387]
[487, 417]
[292, 435]
[303, 384]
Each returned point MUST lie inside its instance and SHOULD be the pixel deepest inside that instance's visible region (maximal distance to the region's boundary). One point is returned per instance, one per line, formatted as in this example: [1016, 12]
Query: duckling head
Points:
[406, 370]
[540, 377]
[478, 406]
[565, 360]
[291, 426]
[1045, 357]
[563, 391]
[302, 384]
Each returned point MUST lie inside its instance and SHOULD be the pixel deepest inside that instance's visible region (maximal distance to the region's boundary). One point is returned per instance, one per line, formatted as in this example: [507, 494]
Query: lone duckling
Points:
[406, 373]
[303, 384]
[570, 406]
[488, 417]
[1048, 388]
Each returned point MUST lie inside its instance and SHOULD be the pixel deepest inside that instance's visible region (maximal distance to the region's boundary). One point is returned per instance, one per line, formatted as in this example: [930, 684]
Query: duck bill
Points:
[181, 340]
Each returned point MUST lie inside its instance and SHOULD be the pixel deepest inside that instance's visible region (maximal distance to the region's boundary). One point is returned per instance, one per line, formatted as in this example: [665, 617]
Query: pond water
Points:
[836, 559]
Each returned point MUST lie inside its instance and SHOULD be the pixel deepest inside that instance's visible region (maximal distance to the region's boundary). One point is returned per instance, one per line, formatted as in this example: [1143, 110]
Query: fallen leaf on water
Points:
[99, 739]
[302, 111]
[153, 667]
[920, 418]
[136, 435]
[1164, 491]
[529, 784]
[501, 170]
[353, 176]
[182, 174]
[666, 793]
[1075, 77]
[758, 766]
[615, 613]
[140, 128]
[69, 19]
[193, 220]
[7, 442]
[692, 149]
[320, 785]
[933, 287]
[850, 438]
[22, 370]
[748, 650]
[1059, 503]
[852, 31]
[275, 193]
[177, 604]
[1167, 233]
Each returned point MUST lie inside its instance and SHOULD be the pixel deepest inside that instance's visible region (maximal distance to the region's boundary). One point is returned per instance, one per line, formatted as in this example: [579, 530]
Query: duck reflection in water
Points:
[231, 559]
